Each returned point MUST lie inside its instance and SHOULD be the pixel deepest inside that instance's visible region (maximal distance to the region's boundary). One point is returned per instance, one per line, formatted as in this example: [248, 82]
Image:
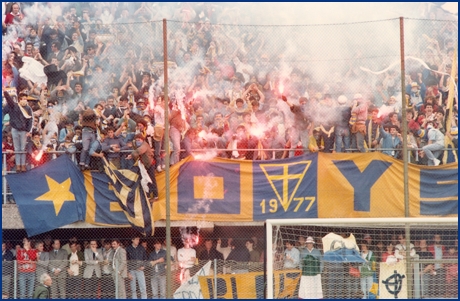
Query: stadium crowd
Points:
[83, 79]
[88, 267]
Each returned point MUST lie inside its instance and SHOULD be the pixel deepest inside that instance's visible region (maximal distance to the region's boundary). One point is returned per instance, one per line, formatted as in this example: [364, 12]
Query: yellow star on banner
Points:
[58, 193]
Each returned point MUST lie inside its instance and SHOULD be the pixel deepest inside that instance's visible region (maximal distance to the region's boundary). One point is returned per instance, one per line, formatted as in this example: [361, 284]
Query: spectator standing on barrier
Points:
[210, 252]
[92, 273]
[74, 280]
[21, 122]
[143, 151]
[34, 147]
[391, 140]
[107, 288]
[119, 268]
[312, 266]
[373, 127]
[177, 126]
[137, 257]
[316, 143]
[358, 129]
[7, 270]
[57, 265]
[291, 256]
[367, 270]
[325, 122]
[301, 124]
[43, 260]
[438, 275]
[435, 144]
[26, 257]
[186, 257]
[342, 128]
[97, 152]
[42, 291]
[89, 129]
[115, 144]
[157, 260]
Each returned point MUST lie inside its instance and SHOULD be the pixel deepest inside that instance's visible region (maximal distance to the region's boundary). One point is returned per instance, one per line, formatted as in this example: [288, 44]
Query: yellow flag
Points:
[450, 101]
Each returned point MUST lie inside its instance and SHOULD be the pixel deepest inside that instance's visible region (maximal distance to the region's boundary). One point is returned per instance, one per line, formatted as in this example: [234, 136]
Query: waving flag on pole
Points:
[49, 196]
[132, 197]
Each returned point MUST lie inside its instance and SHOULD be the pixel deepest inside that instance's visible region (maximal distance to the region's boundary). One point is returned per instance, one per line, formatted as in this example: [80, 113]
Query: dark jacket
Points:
[161, 265]
[89, 119]
[145, 153]
[211, 255]
[240, 254]
[41, 292]
[17, 119]
[136, 257]
[7, 263]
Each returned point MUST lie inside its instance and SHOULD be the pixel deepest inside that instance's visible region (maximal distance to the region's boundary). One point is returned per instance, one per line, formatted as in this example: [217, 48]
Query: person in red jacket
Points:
[27, 258]
[14, 16]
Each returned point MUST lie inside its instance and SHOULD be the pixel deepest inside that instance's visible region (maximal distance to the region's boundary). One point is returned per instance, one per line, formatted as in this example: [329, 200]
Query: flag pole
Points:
[167, 176]
[449, 146]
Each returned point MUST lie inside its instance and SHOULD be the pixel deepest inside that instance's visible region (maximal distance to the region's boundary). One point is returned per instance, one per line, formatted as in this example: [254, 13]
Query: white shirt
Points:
[399, 248]
[184, 256]
[74, 267]
[159, 115]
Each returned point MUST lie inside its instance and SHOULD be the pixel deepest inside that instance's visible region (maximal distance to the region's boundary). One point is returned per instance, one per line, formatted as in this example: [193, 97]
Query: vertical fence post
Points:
[4, 186]
[405, 156]
[214, 291]
[15, 279]
[403, 118]
[116, 280]
[269, 256]
[265, 261]
[166, 145]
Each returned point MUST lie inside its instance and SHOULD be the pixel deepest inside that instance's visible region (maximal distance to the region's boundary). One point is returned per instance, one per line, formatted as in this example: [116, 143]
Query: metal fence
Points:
[236, 269]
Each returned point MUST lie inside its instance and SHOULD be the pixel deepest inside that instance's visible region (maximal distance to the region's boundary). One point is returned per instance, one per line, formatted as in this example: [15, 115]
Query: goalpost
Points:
[378, 234]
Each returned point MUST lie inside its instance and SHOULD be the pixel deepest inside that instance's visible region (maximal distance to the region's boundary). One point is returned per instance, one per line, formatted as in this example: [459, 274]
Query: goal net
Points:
[362, 258]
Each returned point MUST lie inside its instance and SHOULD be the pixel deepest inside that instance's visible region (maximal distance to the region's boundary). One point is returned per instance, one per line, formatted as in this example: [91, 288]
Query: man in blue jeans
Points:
[21, 122]
[157, 260]
[137, 256]
[435, 144]
[89, 123]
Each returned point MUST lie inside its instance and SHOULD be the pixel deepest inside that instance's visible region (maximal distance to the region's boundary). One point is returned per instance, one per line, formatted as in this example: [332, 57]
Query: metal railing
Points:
[7, 196]
[218, 280]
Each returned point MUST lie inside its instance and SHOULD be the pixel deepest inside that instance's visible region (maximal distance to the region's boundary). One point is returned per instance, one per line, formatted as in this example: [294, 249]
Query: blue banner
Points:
[49, 196]
[285, 187]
